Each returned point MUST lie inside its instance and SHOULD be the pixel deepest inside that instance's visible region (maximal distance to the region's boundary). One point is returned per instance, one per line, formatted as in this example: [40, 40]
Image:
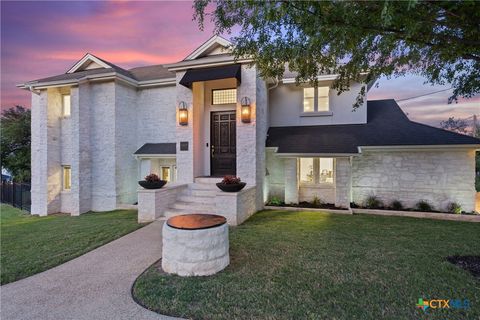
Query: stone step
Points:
[208, 180]
[197, 199]
[171, 212]
[204, 208]
[201, 193]
[203, 186]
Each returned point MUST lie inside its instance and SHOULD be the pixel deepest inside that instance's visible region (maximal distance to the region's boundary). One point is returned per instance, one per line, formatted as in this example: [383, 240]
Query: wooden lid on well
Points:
[196, 221]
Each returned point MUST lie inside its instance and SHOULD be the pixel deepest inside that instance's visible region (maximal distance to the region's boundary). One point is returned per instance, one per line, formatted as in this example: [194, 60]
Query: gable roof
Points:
[208, 46]
[386, 125]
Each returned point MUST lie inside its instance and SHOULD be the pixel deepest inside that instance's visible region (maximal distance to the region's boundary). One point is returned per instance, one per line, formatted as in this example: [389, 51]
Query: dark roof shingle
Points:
[386, 125]
[157, 148]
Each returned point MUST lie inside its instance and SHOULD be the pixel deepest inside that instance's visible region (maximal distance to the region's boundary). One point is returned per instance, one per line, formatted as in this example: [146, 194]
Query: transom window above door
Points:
[315, 99]
[224, 96]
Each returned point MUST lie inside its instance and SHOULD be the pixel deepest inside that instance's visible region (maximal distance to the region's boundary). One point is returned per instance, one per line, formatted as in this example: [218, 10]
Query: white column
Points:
[39, 154]
[184, 134]
[291, 180]
[145, 168]
[343, 183]
[81, 164]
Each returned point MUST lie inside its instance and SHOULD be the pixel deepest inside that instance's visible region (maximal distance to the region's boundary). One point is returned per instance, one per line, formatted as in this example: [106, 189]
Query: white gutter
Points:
[97, 77]
[420, 147]
[195, 64]
[310, 155]
[143, 156]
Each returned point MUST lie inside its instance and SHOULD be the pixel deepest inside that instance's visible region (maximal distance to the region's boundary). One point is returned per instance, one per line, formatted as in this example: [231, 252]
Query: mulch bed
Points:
[469, 263]
[305, 204]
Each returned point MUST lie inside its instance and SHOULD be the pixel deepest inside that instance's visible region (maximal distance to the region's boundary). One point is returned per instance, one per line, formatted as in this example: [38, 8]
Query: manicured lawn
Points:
[31, 244]
[305, 265]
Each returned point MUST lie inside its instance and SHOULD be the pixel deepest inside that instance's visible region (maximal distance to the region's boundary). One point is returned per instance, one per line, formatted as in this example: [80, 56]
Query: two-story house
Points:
[99, 128]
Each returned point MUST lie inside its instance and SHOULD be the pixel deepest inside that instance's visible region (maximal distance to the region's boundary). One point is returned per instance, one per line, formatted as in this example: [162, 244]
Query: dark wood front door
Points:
[223, 151]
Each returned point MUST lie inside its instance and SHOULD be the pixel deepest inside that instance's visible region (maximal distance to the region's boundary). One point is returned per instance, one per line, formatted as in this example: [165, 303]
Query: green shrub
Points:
[317, 201]
[275, 201]
[423, 205]
[372, 202]
[454, 207]
[396, 205]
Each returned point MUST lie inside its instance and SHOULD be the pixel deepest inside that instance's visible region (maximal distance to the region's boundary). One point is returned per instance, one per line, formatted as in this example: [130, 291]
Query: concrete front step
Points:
[203, 199]
[201, 193]
[208, 180]
[190, 206]
[172, 212]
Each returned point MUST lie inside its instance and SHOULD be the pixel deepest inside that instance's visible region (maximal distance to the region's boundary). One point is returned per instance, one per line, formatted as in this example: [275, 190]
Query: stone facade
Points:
[409, 176]
[200, 252]
[152, 203]
[236, 207]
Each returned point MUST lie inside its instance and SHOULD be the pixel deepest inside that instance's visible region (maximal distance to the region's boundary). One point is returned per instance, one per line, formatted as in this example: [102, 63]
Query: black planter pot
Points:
[152, 185]
[231, 187]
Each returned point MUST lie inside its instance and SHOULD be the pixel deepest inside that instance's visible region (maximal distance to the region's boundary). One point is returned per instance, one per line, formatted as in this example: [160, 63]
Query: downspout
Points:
[30, 88]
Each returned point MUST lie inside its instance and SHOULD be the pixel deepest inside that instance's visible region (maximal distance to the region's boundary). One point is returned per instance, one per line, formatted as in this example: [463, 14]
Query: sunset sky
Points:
[40, 39]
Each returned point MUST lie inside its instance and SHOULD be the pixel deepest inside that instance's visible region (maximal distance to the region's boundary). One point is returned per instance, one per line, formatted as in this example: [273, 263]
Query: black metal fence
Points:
[16, 194]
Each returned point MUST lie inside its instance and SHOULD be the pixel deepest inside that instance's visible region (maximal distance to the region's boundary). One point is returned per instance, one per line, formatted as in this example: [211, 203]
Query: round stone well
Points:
[195, 245]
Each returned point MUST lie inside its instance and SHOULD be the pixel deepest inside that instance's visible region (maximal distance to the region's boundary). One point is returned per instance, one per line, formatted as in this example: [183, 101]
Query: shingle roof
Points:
[157, 148]
[151, 73]
[386, 125]
[139, 73]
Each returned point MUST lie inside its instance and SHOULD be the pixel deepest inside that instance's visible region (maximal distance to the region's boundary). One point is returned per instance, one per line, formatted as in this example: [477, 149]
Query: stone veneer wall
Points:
[436, 176]
[236, 207]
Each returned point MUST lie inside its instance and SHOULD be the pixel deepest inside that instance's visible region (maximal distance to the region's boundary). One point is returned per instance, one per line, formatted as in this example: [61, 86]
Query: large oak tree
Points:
[437, 40]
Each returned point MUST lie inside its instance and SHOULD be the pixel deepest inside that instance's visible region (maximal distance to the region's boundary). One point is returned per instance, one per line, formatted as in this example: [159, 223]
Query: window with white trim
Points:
[224, 96]
[316, 170]
[316, 99]
[67, 177]
[66, 105]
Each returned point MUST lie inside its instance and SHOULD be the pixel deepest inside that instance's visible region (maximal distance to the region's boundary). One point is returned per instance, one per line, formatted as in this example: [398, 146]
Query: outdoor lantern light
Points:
[182, 113]
[246, 110]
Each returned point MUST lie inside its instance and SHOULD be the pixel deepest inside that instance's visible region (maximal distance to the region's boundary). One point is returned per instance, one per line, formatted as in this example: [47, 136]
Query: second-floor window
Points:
[315, 99]
[66, 105]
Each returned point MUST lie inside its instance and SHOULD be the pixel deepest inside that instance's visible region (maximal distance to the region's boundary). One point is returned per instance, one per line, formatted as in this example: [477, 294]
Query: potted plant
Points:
[152, 181]
[231, 184]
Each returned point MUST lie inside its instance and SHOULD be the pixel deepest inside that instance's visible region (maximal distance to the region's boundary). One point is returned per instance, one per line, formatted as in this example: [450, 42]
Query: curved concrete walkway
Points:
[93, 286]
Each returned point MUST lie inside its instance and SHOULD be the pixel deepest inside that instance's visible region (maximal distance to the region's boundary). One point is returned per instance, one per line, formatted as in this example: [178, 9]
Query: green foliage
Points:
[438, 40]
[15, 142]
[396, 205]
[317, 201]
[454, 207]
[372, 202]
[423, 205]
[275, 201]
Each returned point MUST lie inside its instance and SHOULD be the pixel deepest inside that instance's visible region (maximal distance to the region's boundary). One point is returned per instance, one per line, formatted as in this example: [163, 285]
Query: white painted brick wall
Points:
[342, 182]
[236, 207]
[126, 166]
[291, 180]
[435, 176]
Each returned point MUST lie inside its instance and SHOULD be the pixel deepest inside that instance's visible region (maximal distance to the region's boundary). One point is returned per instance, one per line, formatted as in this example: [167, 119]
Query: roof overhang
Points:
[35, 85]
[214, 73]
[155, 156]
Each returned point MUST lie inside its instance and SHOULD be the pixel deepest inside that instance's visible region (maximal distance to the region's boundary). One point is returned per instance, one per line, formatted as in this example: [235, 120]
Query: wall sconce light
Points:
[246, 110]
[182, 114]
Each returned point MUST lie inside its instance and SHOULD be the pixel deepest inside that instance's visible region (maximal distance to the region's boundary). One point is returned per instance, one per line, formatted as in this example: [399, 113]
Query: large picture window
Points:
[316, 170]
[224, 96]
[316, 99]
